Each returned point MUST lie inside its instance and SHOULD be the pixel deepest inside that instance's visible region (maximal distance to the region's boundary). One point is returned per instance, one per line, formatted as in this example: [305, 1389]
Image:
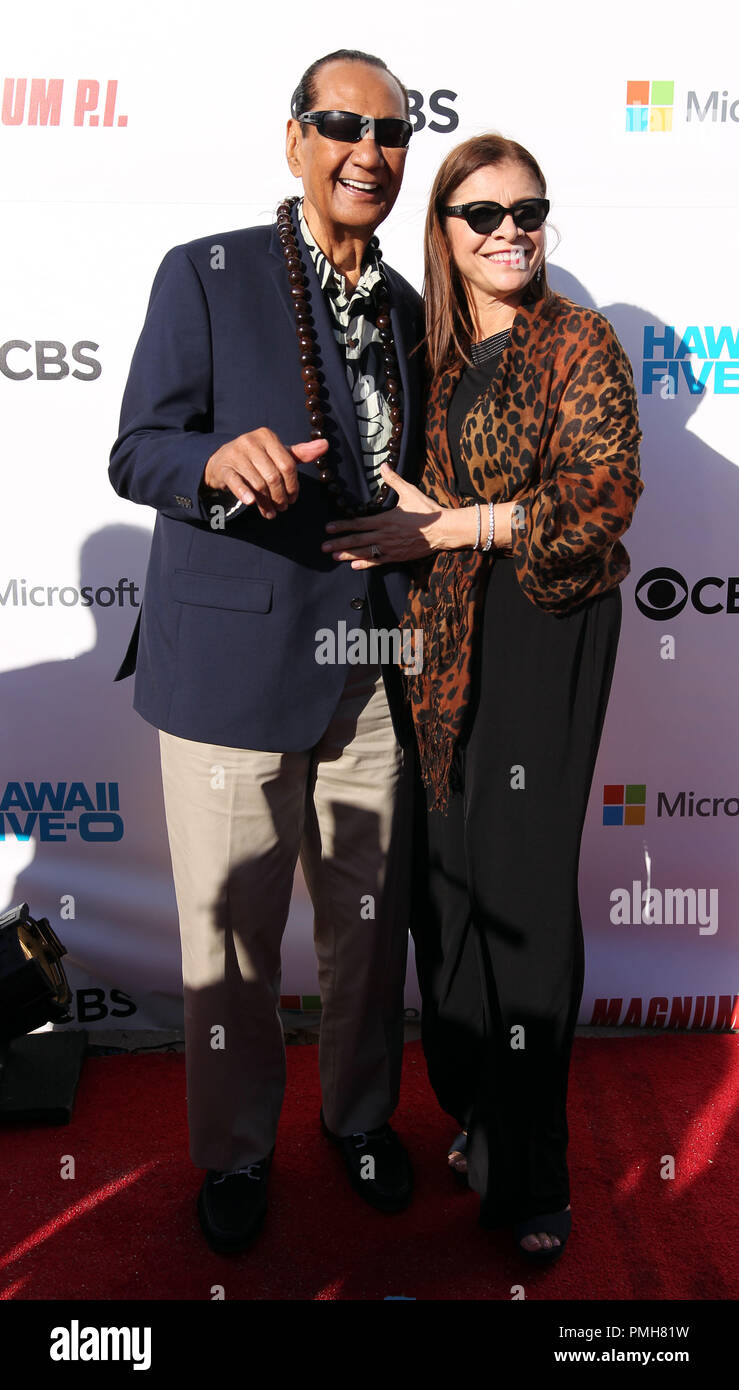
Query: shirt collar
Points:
[332, 279]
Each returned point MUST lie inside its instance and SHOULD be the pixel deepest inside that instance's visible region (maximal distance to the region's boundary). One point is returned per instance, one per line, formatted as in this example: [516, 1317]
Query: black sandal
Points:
[555, 1223]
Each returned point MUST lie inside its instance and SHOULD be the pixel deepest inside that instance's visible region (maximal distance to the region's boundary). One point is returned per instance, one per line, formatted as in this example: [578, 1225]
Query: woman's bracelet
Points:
[476, 546]
[491, 528]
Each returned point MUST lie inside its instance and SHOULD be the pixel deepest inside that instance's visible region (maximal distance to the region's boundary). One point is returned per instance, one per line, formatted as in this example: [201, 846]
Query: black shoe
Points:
[391, 1186]
[232, 1206]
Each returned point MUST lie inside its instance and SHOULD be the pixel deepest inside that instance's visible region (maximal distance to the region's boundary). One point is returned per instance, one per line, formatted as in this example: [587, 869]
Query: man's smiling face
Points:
[348, 188]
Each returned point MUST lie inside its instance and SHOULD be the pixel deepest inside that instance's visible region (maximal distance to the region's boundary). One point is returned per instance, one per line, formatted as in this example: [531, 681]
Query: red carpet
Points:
[125, 1227]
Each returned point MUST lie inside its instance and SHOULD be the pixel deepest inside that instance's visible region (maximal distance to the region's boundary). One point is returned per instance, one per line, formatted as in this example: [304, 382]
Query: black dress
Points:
[496, 925]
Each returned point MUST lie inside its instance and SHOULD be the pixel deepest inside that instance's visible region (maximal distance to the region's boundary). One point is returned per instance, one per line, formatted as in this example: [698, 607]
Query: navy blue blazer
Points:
[224, 648]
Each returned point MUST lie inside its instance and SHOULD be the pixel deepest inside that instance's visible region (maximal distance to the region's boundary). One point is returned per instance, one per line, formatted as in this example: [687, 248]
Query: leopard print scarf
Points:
[557, 431]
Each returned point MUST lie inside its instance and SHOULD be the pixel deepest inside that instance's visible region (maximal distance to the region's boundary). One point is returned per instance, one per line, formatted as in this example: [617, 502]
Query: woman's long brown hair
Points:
[449, 324]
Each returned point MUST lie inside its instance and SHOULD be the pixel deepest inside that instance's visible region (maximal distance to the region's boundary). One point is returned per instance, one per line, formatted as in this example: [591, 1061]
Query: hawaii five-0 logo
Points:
[667, 367]
[51, 810]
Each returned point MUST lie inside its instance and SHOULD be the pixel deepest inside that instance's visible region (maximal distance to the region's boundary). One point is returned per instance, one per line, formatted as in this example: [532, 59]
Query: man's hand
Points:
[257, 467]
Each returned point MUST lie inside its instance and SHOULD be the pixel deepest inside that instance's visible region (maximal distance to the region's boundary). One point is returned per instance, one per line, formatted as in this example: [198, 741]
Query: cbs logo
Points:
[49, 360]
[663, 593]
[91, 1006]
[438, 105]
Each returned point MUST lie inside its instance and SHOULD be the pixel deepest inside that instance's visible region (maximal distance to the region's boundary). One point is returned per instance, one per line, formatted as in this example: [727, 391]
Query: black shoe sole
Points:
[544, 1256]
[388, 1205]
[228, 1245]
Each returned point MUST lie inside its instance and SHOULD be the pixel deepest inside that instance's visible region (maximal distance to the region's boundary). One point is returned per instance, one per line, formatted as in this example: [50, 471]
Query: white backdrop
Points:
[128, 129]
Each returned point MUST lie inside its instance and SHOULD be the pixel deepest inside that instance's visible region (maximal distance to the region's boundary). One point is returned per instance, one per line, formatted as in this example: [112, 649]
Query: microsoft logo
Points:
[649, 105]
[624, 804]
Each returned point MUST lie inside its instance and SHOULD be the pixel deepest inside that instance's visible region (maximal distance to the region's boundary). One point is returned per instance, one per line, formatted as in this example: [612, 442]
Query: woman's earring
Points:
[538, 275]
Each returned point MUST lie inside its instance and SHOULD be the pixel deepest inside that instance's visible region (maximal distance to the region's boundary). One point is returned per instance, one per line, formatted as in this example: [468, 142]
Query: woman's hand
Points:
[417, 526]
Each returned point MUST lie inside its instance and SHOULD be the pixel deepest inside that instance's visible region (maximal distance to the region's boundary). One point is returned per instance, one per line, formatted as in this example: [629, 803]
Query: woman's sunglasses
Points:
[390, 131]
[527, 213]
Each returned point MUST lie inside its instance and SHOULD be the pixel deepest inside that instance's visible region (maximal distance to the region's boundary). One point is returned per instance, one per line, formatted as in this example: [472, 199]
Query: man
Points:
[266, 752]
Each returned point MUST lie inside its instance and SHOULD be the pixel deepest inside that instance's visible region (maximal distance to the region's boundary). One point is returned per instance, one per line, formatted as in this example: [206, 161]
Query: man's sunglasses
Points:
[527, 213]
[390, 131]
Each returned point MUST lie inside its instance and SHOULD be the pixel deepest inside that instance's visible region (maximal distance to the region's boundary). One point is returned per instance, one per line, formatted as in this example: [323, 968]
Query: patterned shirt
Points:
[353, 311]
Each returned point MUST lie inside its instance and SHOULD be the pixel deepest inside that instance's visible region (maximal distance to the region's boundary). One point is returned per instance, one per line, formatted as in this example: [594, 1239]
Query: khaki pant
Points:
[237, 820]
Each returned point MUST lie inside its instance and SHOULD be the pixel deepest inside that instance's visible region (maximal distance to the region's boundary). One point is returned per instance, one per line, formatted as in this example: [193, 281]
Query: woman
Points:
[531, 477]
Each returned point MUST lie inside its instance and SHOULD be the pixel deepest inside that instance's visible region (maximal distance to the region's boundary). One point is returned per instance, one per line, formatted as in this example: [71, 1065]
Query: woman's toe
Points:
[542, 1239]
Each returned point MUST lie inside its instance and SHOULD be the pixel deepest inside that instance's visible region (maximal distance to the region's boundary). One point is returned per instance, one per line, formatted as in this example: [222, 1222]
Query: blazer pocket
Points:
[222, 591]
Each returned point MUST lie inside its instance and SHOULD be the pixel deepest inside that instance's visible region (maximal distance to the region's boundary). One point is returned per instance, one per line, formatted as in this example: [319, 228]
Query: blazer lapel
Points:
[401, 348]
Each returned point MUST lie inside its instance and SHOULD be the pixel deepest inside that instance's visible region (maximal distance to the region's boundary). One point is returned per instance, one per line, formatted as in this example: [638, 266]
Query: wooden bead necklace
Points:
[313, 380]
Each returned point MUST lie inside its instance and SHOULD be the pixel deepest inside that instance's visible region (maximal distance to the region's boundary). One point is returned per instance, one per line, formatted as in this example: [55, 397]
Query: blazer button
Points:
[357, 603]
